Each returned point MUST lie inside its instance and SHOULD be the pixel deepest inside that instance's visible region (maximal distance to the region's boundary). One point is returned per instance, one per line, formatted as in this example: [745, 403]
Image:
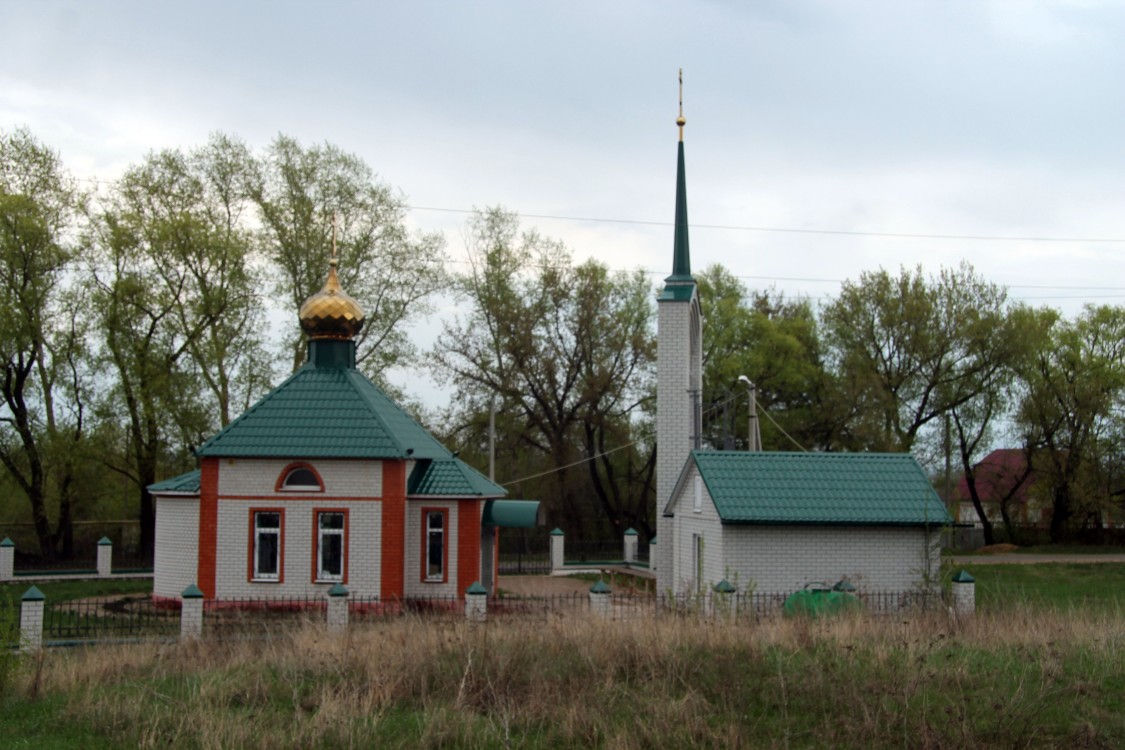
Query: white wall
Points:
[414, 585]
[782, 559]
[256, 477]
[232, 567]
[177, 545]
[688, 523]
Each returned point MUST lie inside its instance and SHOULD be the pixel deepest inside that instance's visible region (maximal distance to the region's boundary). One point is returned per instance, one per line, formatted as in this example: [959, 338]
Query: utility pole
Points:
[753, 433]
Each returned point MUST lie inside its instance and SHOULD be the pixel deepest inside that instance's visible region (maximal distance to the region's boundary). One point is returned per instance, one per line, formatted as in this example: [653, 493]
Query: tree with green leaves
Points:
[305, 196]
[1070, 410]
[774, 342]
[907, 349]
[42, 336]
[566, 352]
[976, 423]
[178, 306]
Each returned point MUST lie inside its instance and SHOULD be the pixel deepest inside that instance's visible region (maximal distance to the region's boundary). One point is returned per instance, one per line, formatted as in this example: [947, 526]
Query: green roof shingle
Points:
[325, 412]
[451, 478]
[187, 483]
[818, 488]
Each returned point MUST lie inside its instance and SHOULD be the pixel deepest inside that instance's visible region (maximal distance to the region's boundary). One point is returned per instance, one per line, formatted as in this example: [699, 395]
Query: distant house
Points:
[774, 521]
[1002, 476]
[327, 481]
[782, 520]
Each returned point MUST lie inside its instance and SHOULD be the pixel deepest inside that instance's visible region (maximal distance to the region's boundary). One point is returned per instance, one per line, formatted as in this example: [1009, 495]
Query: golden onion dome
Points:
[331, 313]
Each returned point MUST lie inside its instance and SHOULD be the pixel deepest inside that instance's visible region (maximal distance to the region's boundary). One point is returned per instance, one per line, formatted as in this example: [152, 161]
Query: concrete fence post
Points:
[338, 610]
[191, 613]
[630, 545]
[652, 554]
[558, 543]
[600, 603]
[476, 603]
[31, 619]
[105, 557]
[964, 594]
[724, 601]
[7, 560]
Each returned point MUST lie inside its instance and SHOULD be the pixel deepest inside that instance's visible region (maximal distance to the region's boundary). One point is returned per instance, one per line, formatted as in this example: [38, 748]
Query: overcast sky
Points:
[976, 118]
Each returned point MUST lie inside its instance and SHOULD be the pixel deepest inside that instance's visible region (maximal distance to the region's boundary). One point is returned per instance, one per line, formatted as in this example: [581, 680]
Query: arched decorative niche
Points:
[299, 477]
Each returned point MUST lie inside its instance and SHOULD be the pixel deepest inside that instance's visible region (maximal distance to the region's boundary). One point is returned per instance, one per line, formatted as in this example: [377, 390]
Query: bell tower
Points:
[679, 376]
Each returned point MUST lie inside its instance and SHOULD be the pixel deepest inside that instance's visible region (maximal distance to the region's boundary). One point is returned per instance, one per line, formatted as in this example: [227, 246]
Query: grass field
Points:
[1065, 586]
[1039, 667]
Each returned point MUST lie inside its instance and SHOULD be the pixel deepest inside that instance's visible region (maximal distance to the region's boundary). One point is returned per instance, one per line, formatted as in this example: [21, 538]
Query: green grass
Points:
[1054, 585]
[64, 591]
[1030, 680]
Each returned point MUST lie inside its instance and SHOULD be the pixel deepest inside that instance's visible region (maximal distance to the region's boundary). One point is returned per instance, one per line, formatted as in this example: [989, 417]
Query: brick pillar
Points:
[7, 560]
[964, 594]
[31, 619]
[630, 545]
[600, 603]
[105, 557]
[558, 542]
[338, 610]
[191, 613]
[476, 603]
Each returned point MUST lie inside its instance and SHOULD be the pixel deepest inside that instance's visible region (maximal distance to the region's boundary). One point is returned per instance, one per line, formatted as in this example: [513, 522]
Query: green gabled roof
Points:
[325, 412]
[186, 484]
[451, 477]
[818, 488]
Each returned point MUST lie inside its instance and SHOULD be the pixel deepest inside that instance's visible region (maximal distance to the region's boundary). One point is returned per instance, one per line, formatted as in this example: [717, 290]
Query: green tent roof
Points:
[760, 487]
[452, 477]
[325, 412]
[185, 484]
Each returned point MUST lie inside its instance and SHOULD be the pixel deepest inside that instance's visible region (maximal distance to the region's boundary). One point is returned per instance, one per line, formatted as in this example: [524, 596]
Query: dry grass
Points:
[1026, 679]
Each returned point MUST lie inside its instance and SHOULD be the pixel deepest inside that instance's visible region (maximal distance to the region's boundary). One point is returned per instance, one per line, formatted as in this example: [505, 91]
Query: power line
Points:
[792, 230]
[759, 228]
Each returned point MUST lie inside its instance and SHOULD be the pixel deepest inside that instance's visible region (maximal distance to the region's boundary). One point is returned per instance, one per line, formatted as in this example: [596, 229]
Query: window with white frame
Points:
[697, 503]
[435, 546]
[330, 529]
[267, 545]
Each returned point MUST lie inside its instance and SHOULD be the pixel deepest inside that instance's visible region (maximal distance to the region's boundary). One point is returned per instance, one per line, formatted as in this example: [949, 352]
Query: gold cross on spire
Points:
[680, 120]
[333, 261]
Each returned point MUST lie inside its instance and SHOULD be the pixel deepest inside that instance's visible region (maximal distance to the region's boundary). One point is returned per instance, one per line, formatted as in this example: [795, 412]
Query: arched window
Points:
[300, 479]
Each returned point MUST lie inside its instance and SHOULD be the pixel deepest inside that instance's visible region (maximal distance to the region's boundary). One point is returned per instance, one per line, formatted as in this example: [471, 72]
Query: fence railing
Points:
[110, 618]
[14, 564]
[141, 617]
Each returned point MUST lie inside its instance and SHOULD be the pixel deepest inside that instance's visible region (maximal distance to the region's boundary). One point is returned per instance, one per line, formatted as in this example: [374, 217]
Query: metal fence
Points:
[140, 617]
[524, 551]
[110, 618]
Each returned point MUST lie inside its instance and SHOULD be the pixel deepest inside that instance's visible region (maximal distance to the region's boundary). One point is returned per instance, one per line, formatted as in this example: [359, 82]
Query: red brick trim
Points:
[279, 486]
[392, 572]
[468, 543]
[445, 542]
[280, 546]
[208, 526]
[316, 541]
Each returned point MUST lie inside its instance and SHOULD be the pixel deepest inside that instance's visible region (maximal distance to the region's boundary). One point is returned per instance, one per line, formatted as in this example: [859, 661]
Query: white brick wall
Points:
[233, 553]
[679, 368]
[781, 559]
[689, 523]
[257, 477]
[414, 586]
[177, 545]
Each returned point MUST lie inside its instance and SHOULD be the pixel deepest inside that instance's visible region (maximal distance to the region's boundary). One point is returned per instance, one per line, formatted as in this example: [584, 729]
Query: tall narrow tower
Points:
[679, 376]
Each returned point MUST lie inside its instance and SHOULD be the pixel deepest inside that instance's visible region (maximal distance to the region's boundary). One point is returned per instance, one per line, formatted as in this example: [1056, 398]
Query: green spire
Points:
[681, 257]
